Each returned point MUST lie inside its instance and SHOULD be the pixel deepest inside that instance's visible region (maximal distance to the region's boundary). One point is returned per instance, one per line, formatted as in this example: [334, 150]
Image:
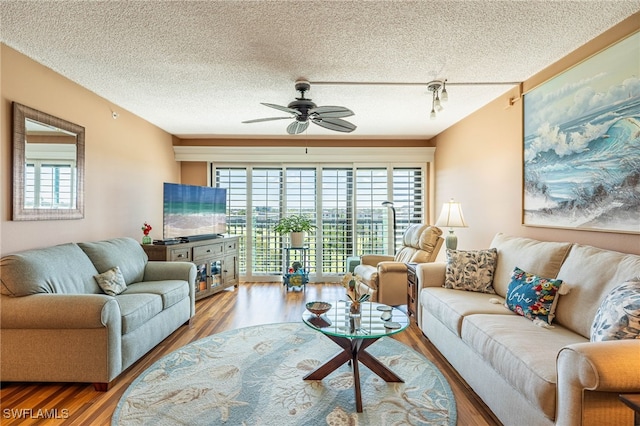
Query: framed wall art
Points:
[582, 144]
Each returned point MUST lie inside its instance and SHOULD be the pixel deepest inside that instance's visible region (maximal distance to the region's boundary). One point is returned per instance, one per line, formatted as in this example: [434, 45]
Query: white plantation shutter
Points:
[344, 202]
[235, 181]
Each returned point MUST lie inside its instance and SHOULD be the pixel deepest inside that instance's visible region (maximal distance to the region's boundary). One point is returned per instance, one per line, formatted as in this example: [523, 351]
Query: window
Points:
[344, 202]
[50, 185]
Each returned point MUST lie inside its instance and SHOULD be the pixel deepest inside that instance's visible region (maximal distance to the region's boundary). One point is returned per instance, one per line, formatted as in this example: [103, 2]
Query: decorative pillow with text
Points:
[471, 270]
[532, 296]
[112, 281]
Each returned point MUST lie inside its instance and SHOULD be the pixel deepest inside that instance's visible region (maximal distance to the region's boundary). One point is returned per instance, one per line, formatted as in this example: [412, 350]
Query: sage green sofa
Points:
[526, 373]
[58, 325]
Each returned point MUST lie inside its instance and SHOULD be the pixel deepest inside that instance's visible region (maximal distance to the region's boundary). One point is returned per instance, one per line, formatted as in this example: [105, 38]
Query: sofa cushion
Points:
[591, 273]
[618, 316]
[538, 257]
[126, 253]
[171, 291]
[522, 353]
[471, 270]
[137, 309]
[532, 296]
[61, 269]
[451, 306]
[111, 281]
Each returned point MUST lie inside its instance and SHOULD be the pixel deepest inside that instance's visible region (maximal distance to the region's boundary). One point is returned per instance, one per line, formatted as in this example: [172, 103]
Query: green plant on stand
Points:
[294, 225]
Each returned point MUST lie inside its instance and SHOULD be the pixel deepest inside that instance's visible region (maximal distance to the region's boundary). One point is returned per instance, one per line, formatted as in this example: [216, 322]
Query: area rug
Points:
[253, 376]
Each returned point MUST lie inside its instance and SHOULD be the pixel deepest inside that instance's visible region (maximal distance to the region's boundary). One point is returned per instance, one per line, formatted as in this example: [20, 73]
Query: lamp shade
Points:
[451, 216]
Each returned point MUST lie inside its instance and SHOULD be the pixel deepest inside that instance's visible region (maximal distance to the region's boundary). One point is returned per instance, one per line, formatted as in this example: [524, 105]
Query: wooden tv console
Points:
[216, 260]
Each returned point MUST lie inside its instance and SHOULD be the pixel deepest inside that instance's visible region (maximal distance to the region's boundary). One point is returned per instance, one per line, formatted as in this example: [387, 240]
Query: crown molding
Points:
[281, 154]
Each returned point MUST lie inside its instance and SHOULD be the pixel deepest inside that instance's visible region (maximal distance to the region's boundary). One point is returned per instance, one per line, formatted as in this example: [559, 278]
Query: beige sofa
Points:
[525, 373]
[385, 276]
[58, 325]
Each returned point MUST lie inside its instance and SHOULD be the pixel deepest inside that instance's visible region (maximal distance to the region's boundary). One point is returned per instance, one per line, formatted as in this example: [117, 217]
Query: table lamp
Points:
[451, 217]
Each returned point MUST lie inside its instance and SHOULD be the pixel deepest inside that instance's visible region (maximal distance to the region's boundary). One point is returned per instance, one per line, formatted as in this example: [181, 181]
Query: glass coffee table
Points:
[354, 335]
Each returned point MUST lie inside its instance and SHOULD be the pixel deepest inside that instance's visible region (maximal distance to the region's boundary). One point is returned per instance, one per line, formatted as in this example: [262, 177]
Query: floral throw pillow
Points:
[111, 281]
[532, 296]
[471, 270]
[618, 316]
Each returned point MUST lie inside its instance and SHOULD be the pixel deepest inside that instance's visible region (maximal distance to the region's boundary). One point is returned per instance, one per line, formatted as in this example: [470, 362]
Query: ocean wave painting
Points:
[582, 145]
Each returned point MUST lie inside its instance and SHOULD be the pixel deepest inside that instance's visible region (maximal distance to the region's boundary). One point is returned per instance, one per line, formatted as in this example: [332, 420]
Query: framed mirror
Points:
[48, 166]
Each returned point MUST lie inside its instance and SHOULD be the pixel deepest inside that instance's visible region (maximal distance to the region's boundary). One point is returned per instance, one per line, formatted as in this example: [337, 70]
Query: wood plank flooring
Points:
[249, 304]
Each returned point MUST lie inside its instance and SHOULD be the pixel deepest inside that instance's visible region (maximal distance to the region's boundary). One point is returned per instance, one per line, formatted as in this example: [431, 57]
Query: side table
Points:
[412, 289]
[632, 400]
[295, 267]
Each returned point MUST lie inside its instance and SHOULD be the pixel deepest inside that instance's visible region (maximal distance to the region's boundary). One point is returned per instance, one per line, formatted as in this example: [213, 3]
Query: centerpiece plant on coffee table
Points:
[351, 283]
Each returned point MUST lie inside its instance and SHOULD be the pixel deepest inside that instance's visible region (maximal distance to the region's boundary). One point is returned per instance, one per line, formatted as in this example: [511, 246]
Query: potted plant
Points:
[294, 225]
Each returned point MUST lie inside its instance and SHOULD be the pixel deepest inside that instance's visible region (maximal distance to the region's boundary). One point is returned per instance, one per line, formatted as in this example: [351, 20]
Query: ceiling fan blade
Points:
[336, 124]
[332, 111]
[297, 127]
[258, 120]
[282, 108]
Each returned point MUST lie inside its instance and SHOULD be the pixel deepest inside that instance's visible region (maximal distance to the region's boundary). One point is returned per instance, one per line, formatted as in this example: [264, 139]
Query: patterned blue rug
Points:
[253, 376]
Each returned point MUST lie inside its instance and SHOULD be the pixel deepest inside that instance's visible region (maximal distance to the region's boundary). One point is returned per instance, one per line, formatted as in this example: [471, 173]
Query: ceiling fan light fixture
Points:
[303, 111]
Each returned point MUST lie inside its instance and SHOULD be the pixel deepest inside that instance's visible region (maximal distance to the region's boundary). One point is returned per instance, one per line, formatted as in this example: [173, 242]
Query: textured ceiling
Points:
[200, 68]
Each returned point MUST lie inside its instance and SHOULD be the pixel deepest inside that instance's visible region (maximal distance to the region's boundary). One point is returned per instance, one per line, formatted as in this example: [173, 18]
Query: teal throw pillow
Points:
[532, 296]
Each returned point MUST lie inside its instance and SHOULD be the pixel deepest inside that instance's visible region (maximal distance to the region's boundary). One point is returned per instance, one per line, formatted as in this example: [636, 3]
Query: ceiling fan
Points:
[303, 111]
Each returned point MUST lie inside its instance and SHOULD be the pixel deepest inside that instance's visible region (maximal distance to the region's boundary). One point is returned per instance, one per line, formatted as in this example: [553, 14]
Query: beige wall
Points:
[126, 160]
[479, 163]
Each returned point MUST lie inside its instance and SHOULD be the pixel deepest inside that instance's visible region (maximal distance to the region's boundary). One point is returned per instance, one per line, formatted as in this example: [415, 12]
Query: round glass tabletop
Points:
[376, 320]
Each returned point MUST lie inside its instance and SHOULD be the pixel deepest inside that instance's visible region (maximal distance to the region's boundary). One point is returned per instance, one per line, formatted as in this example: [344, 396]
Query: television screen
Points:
[191, 210]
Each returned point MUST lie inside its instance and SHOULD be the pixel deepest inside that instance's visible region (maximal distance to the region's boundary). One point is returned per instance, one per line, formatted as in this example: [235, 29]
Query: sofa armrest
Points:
[374, 259]
[59, 311]
[186, 271]
[392, 267]
[610, 366]
[159, 270]
[430, 274]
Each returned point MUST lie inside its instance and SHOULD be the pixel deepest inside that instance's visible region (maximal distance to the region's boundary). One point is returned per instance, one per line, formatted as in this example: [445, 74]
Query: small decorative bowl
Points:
[318, 308]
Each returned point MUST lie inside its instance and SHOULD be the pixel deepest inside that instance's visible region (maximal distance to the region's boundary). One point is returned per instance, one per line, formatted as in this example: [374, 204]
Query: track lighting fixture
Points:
[438, 89]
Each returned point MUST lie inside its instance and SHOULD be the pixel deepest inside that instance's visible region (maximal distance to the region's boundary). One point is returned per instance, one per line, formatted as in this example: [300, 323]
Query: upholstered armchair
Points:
[385, 276]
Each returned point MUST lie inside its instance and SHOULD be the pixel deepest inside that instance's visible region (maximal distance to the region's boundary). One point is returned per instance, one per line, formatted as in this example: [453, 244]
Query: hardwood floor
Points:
[250, 304]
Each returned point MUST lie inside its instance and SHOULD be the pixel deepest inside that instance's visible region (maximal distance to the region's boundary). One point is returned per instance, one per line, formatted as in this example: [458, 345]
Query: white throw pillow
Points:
[618, 316]
[111, 281]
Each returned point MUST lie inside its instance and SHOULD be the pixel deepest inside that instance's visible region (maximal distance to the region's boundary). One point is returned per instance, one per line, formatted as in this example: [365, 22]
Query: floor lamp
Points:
[451, 217]
[389, 204]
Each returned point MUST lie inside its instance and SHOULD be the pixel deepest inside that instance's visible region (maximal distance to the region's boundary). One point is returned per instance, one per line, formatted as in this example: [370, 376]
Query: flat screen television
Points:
[194, 212]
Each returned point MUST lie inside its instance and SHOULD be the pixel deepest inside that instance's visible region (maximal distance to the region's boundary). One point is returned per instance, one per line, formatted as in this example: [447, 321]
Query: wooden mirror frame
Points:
[20, 114]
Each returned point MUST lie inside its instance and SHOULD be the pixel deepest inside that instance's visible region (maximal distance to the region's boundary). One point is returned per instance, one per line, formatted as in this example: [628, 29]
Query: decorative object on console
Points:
[471, 270]
[532, 296]
[451, 217]
[111, 281]
[146, 228]
[389, 204]
[618, 316]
